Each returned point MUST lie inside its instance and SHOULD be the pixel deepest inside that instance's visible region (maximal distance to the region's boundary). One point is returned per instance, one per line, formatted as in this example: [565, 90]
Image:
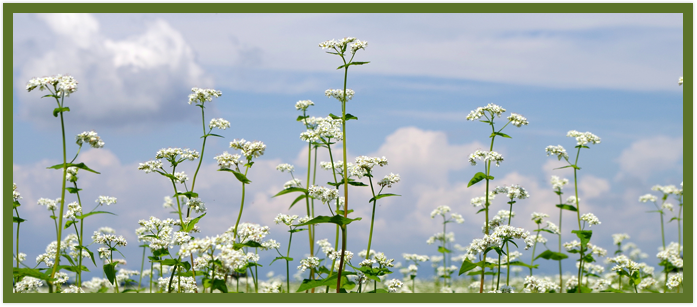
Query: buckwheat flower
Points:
[479, 201]
[674, 281]
[558, 151]
[63, 84]
[308, 263]
[15, 194]
[74, 209]
[365, 164]
[325, 245]
[393, 285]
[28, 284]
[571, 200]
[49, 203]
[491, 108]
[219, 123]
[619, 237]
[73, 289]
[303, 104]
[485, 156]
[680, 81]
[601, 284]
[71, 174]
[389, 180]
[251, 232]
[367, 262]
[530, 240]
[671, 254]
[669, 189]
[323, 194]
[21, 257]
[513, 191]
[200, 95]
[667, 206]
[150, 166]
[537, 217]
[339, 94]
[557, 183]
[518, 120]
[285, 167]
[458, 218]
[226, 160]
[647, 198]
[543, 285]
[590, 218]
[358, 45]
[270, 244]
[285, 219]
[383, 261]
[330, 44]
[571, 283]
[181, 177]
[441, 210]
[348, 255]
[249, 149]
[583, 138]
[188, 284]
[196, 204]
[105, 200]
[108, 239]
[292, 183]
[572, 245]
[552, 227]
[647, 282]
[90, 137]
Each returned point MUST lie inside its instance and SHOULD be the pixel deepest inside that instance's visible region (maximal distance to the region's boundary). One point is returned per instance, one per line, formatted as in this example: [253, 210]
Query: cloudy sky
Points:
[614, 75]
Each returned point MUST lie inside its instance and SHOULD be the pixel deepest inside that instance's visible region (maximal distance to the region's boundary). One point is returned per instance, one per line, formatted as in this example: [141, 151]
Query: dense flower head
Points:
[325, 245]
[71, 174]
[383, 261]
[668, 189]
[365, 164]
[646, 282]
[308, 263]
[480, 201]
[441, 237]
[622, 262]
[108, 239]
[485, 156]
[457, 218]
[672, 254]
[680, 81]
[270, 244]
[62, 83]
[150, 166]
[187, 284]
[539, 285]
[590, 218]
[170, 154]
[558, 183]
[15, 194]
[572, 200]
[285, 219]
[326, 128]
[552, 227]
[74, 209]
[619, 237]
[601, 284]
[441, 210]
[341, 45]
[338, 94]
[219, 123]
[537, 217]
[251, 232]
[674, 281]
[518, 120]
[513, 191]
[199, 245]
[393, 285]
[91, 138]
[28, 284]
[285, 167]
[597, 250]
[491, 108]
[303, 104]
[572, 245]
[389, 180]
[49, 203]
[156, 232]
[558, 151]
[583, 138]
[338, 166]
[226, 160]
[667, 206]
[571, 283]
[325, 195]
[181, 177]
[200, 95]
[105, 200]
[292, 183]
[249, 149]
[196, 204]
[415, 257]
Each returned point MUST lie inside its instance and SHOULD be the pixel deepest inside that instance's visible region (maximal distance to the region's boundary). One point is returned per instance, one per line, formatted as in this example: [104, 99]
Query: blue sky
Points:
[611, 74]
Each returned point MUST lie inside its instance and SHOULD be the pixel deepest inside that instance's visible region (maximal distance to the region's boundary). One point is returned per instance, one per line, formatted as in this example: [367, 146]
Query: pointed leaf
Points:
[279, 258]
[190, 225]
[299, 198]
[337, 219]
[187, 194]
[334, 116]
[350, 117]
[382, 196]
[110, 272]
[500, 134]
[73, 190]
[291, 190]
[476, 178]
[241, 177]
[93, 213]
[584, 235]
[79, 165]
[550, 255]
[443, 250]
[17, 220]
[300, 117]
[60, 110]
[567, 207]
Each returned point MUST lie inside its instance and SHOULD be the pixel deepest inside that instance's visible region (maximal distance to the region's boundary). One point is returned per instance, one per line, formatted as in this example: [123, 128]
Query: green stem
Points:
[561, 285]
[151, 268]
[498, 279]
[239, 216]
[60, 216]
[372, 218]
[142, 265]
[346, 198]
[203, 147]
[578, 215]
[508, 258]
[445, 282]
[116, 282]
[534, 246]
[256, 273]
[307, 203]
[17, 241]
[486, 203]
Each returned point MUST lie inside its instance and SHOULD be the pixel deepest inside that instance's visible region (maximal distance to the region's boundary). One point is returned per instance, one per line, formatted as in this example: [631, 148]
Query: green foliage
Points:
[382, 196]
[478, 177]
[57, 111]
[337, 219]
[241, 177]
[78, 165]
[550, 255]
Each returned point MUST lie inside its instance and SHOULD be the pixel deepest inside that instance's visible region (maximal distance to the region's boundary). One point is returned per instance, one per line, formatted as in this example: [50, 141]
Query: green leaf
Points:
[215, 135]
[241, 177]
[308, 284]
[186, 265]
[337, 219]
[51, 95]
[550, 255]
[93, 213]
[357, 183]
[69, 223]
[59, 110]
[110, 272]
[281, 258]
[581, 146]
[655, 211]
[479, 273]
[382, 196]
[89, 252]
[443, 250]
[219, 284]
[187, 194]
[675, 218]
[476, 178]
[341, 212]
[73, 190]
[350, 117]
[73, 268]
[190, 225]
[468, 266]
[567, 207]
[79, 165]
[15, 204]
[238, 246]
[545, 230]
[36, 273]
[571, 165]
[584, 235]
[300, 117]
[297, 230]
[291, 190]
[520, 263]
[611, 290]
[17, 220]
[500, 134]
[299, 198]
[481, 210]
[334, 116]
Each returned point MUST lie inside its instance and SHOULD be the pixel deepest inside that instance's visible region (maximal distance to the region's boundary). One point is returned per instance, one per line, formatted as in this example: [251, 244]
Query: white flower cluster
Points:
[531, 240]
[196, 204]
[108, 239]
[496, 239]
[71, 174]
[325, 195]
[393, 285]
[74, 209]
[491, 108]
[624, 263]
[325, 245]
[292, 183]
[90, 137]
[583, 138]
[68, 246]
[322, 127]
[249, 149]
[537, 217]
[251, 232]
[97, 283]
[73, 289]
[383, 261]
[63, 84]
[591, 219]
[592, 268]
[445, 272]
[571, 200]
[170, 154]
[668, 189]
[49, 203]
[414, 257]
[273, 286]
[513, 191]
[480, 201]
[558, 151]
[15, 194]
[441, 210]
[552, 227]
[303, 104]
[674, 281]
[389, 180]
[672, 254]
[571, 283]
[558, 183]
[219, 123]
[667, 206]
[285, 219]
[270, 244]
[680, 81]
[542, 285]
[619, 237]
[285, 167]
[156, 232]
[200, 95]
[187, 284]
[200, 245]
[226, 160]
[124, 275]
[181, 177]
[308, 263]
[365, 164]
[28, 284]
[647, 198]
[499, 219]
[333, 255]
[364, 253]
[105, 200]
[150, 166]
[339, 94]
[341, 45]
[646, 282]
[485, 156]
[518, 120]
[601, 284]
[458, 218]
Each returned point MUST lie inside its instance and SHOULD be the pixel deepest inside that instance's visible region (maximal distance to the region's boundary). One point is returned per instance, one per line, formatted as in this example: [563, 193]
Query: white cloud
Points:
[150, 72]
[650, 155]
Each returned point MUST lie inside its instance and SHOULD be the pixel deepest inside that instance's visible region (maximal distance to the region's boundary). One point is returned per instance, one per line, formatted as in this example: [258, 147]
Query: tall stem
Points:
[287, 265]
[533, 248]
[307, 203]
[486, 203]
[203, 148]
[445, 282]
[142, 265]
[60, 216]
[239, 216]
[372, 218]
[508, 258]
[346, 198]
[561, 285]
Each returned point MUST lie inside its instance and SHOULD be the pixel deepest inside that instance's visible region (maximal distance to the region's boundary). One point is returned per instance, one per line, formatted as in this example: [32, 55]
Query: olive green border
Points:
[684, 8]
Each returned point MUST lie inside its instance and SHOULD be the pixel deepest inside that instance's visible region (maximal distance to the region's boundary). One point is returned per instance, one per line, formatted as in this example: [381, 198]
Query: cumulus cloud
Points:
[650, 155]
[138, 79]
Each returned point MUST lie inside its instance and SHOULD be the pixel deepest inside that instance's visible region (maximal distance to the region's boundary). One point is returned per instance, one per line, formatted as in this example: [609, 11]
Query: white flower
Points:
[491, 108]
[619, 237]
[270, 244]
[571, 200]
[480, 201]
[63, 84]
[601, 284]
[647, 198]
[583, 138]
[558, 183]
[393, 285]
[667, 206]
[285, 167]
[105, 200]
[303, 104]
[49, 203]
[518, 120]
[590, 218]
[226, 160]
[485, 156]
[15, 194]
[441, 210]
[292, 183]
[647, 282]
[90, 137]
[308, 263]
[196, 204]
[181, 177]
[172, 154]
[669, 189]
[339, 94]
[28, 284]
[558, 151]
[513, 191]
[74, 209]
[285, 219]
[188, 284]
[200, 95]
[219, 123]
[389, 180]
[73, 289]
[458, 218]
[674, 281]
[249, 149]
[366, 164]
[680, 81]
[358, 45]
[323, 194]
[537, 217]
[552, 227]
[150, 166]
[534, 285]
